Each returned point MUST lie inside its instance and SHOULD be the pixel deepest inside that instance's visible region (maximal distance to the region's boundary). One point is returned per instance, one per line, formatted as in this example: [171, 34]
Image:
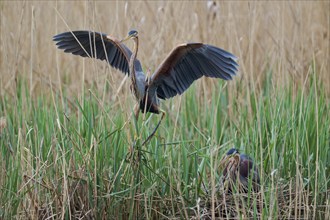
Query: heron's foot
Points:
[157, 126]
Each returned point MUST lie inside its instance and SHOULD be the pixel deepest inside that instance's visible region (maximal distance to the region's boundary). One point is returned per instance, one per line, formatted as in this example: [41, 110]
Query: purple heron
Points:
[184, 64]
[241, 165]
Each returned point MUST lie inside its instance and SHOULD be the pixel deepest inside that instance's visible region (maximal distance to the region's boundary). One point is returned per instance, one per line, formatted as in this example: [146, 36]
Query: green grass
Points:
[63, 157]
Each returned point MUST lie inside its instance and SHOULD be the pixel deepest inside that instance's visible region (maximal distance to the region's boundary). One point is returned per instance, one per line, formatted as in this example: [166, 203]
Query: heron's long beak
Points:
[226, 158]
[126, 38]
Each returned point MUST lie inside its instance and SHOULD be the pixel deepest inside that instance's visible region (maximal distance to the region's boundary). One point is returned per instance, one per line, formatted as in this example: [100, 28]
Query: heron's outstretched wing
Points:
[96, 45]
[187, 63]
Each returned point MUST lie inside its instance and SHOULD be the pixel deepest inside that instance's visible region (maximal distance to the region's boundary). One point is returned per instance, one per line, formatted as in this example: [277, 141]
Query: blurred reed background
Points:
[282, 36]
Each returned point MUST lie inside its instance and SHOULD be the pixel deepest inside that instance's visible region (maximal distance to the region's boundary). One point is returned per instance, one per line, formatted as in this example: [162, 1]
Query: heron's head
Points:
[231, 154]
[232, 151]
[131, 34]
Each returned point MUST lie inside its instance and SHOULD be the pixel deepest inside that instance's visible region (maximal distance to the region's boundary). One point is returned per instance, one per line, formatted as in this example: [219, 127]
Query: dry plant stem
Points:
[136, 111]
[135, 164]
[135, 181]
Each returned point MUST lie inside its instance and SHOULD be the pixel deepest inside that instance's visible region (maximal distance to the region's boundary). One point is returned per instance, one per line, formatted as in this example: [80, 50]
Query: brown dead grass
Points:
[282, 36]
[292, 202]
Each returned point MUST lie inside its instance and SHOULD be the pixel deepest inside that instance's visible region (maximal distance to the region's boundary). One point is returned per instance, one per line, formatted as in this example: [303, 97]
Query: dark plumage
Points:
[96, 45]
[187, 63]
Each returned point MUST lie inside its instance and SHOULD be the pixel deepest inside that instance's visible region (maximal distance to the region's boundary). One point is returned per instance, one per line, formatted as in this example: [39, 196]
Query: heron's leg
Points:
[154, 131]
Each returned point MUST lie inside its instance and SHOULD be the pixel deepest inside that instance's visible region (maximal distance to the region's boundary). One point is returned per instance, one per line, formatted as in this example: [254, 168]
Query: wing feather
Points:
[96, 45]
[189, 62]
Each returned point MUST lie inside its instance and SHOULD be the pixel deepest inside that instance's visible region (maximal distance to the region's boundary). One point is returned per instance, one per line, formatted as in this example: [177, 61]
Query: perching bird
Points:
[185, 64]
[236, 164]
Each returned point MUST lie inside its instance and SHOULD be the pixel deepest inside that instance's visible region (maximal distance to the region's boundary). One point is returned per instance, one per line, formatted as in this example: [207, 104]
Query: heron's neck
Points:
[136, 46]
[133, 74]
[133, 57]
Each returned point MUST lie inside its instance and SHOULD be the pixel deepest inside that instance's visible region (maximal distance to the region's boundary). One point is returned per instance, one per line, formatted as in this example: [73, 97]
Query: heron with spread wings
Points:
[185, 64]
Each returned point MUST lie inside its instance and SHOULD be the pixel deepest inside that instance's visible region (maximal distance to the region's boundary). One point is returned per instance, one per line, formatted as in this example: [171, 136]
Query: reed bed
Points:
[70, 148]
